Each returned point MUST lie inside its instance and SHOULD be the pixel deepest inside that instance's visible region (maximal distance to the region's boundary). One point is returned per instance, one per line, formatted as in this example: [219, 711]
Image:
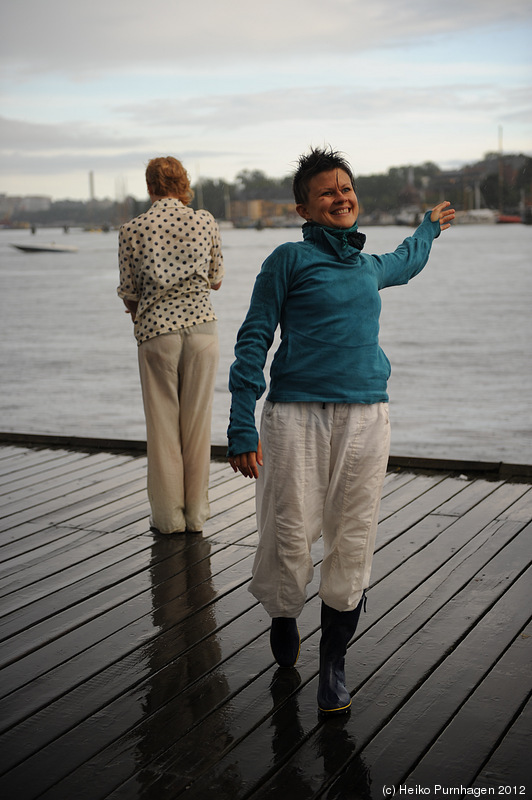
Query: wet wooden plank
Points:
[37, 465]
[380, 680]
[441, 683]
[504, 692]
[31, 491]
[205, 733]
[510, 764]
[139, 666]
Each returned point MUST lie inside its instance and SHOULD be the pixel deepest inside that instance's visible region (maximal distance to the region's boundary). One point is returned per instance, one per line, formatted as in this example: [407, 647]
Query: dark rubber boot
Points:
[285, 641]
[337, 629]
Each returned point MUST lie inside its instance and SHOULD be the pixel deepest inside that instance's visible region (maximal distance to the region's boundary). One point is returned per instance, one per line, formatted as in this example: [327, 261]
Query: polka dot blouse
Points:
[169, 258]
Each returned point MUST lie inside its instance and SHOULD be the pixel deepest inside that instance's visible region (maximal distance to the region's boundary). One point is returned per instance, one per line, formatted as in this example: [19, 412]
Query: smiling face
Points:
[331, 200]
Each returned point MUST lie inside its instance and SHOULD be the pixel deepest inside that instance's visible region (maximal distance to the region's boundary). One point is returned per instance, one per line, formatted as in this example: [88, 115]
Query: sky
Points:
[226, 85]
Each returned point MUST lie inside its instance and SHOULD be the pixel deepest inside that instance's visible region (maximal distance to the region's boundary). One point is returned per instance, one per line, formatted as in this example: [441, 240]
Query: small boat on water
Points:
[45, 247]
[506, 219]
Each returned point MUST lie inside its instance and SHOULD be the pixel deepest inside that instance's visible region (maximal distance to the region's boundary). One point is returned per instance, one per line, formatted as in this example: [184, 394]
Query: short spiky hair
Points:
[313, 163]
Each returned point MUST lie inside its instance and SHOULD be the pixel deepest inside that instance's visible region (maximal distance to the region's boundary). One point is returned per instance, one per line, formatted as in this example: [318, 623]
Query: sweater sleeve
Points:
[246, 375]
[407, 261]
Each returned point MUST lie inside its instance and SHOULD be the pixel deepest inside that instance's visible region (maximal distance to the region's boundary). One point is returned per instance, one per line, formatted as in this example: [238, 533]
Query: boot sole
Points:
[330, 711]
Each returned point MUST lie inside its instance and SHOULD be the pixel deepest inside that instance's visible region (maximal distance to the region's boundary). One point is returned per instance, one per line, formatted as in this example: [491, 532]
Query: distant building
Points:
[268, 213]
[35, 203]
[7, 206]
[11, 205]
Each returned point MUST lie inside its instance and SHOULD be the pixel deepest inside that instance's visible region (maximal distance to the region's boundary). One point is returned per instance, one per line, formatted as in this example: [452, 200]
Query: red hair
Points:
[166, 176]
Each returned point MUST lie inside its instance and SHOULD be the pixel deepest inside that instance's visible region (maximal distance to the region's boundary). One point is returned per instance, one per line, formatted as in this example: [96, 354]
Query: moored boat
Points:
[45, 247]
[511, 219]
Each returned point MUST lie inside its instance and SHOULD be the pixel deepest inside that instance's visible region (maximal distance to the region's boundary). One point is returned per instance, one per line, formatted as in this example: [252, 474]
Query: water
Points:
[457, 336]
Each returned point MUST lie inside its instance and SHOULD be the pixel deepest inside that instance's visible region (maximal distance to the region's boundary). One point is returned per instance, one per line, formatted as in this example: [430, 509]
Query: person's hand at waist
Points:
[131, 308]
[248, 463]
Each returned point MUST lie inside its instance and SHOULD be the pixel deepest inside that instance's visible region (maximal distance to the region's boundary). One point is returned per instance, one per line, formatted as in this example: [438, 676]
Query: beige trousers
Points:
[177, 373]
[324, 466]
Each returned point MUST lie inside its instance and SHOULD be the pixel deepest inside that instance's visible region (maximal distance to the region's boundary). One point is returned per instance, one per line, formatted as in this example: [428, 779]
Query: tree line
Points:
[502, 183]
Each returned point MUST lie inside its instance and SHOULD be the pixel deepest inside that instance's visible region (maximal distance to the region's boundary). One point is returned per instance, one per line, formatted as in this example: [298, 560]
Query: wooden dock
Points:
[138, 666]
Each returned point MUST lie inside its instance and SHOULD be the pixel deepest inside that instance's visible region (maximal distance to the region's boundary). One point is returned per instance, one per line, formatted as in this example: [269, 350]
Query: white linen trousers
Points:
[324, 467]
[177, 373]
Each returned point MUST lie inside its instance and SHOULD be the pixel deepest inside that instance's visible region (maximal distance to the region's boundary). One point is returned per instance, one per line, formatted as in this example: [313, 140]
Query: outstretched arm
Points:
[443, 214]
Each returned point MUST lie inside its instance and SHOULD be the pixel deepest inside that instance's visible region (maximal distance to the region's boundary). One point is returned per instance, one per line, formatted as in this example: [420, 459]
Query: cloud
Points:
[131, 127]
[227, 86]
[75, 136]
[240, 110]
[251, 128]
[54, 150]
[92, 38]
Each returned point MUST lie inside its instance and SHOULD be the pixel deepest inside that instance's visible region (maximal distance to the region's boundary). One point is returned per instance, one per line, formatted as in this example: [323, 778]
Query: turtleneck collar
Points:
[339, 238]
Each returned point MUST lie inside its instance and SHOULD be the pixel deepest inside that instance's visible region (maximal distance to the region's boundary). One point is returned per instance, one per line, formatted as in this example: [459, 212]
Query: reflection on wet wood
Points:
[137, 666]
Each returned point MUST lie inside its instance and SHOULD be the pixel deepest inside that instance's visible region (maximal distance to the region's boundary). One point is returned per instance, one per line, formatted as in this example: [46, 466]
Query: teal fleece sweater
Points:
[324, 293]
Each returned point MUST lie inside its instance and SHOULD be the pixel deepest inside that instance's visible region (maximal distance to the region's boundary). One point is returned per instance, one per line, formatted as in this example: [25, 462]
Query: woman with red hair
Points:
[170, 258]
